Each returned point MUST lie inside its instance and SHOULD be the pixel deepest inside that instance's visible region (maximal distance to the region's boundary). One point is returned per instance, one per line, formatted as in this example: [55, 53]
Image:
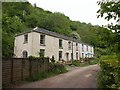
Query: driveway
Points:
[82, 77]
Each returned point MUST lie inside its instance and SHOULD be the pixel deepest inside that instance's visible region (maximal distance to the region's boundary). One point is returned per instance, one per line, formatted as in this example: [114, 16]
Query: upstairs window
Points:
[25, 54]
[42, 52]
[76, 46]
[42, 39]
[91, 49]
[87, 48]
[60, 43]
[82, 47]
[26, 38]
[69, 46]
[76, 55]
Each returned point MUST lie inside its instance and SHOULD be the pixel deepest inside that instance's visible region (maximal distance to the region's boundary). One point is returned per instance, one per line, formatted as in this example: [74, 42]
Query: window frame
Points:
[76, 46]
[87, 48]
[42, 53]
[60, 43]
[25, 54]
[25, 38]
[42, 39]
[69, 45]
[60, 55]
[83, 47]
[77, 56]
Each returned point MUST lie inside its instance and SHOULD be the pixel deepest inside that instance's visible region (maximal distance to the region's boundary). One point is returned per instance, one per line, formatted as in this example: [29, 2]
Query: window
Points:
[67, 56]
[82, 55]
[25, 54]
[60, 43]
[76, 47]
[69, 46]
[91, 49]
[42, 52]
[60, 55]
[26, 38]
[76, 55]
[42, 39]
[82, 47]
[87, 48]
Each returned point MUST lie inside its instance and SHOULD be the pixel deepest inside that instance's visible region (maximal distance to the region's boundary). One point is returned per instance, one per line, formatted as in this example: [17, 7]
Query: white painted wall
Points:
[51, 47]
[19, 45]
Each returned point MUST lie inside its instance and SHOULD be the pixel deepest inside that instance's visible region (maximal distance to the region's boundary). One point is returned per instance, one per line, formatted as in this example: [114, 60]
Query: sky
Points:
[76, 10]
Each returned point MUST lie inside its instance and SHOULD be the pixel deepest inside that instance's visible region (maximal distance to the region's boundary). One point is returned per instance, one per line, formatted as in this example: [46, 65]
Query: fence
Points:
[17, 69]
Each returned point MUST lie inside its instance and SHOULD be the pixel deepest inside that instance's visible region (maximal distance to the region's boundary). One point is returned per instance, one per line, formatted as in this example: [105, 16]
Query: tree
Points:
[111, 10]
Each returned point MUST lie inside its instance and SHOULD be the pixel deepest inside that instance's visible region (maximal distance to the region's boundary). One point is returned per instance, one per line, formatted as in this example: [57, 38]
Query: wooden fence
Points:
[17, 69]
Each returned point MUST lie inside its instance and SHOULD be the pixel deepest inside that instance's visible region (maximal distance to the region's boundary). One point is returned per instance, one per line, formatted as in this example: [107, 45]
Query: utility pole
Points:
[72, 52]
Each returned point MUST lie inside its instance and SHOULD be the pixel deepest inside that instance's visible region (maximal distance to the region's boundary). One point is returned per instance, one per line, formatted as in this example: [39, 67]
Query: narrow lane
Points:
[83, 77]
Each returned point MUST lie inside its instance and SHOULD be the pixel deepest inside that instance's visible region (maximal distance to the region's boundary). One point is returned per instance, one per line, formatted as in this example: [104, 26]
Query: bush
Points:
[76, 63]
[54, 69]
[57, 68]
[109, 77]
[52, 59]
[31, 57]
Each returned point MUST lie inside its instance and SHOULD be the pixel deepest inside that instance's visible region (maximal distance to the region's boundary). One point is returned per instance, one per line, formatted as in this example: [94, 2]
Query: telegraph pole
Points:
[72, 52]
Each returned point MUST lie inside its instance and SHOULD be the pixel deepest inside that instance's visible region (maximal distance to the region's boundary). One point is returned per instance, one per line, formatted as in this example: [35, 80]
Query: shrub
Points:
[54, 69]
[76, 63]
[31, 57]
[52, 59]
[57, 68]
[109, 77]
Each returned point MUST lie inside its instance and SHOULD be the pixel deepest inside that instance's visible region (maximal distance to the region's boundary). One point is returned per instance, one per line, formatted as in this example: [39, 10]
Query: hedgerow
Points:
[109, 75]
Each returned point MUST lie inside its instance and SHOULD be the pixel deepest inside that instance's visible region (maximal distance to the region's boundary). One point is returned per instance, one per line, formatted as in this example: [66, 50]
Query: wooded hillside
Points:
[18, 17]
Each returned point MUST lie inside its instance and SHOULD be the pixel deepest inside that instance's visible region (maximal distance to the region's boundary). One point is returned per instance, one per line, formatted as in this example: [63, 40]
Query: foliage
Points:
[32, 57]
[54, 69]
[18, 17]
[52, 59]
[111, 10]
[109, 75]
[91, 61]
[76, 62]
[110, 65]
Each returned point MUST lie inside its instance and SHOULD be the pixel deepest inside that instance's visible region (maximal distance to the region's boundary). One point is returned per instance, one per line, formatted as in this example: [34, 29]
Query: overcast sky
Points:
[78, 10]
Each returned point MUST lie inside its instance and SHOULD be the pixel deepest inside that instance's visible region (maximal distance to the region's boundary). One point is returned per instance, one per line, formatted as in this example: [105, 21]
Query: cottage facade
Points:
[41, 42]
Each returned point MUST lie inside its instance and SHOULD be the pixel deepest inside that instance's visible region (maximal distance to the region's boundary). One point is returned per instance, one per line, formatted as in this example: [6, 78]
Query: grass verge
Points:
[54, 69]
[86, 63]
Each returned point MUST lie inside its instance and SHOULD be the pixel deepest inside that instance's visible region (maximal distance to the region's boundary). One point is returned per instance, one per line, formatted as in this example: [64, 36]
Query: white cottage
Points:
[41, 42]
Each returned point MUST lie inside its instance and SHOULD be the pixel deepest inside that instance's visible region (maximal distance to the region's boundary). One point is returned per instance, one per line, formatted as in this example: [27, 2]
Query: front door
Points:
[67, 56]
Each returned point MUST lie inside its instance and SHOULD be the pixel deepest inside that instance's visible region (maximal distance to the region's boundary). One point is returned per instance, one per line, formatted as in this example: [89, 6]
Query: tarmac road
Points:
[82, 77]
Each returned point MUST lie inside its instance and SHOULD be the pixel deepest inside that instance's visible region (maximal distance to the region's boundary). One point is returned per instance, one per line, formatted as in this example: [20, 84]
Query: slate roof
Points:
[54, 34]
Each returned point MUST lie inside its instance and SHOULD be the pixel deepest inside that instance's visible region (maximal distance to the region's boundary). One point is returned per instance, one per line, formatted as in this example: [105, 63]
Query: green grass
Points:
[91, 62]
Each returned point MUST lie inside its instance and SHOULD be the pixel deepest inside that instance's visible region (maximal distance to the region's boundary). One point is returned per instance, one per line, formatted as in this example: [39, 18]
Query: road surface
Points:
[82, 77]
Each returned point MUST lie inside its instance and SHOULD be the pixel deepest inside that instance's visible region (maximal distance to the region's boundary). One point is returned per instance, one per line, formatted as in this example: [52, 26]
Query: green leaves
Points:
[109, 9]
[18, 17]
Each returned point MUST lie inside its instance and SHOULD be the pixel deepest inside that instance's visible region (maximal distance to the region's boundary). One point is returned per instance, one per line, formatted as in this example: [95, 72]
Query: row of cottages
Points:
[41, 42]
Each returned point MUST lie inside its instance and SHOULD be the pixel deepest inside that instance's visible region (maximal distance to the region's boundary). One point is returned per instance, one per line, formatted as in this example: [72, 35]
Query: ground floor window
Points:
[60, 55]
[42, 52]
[76, 55]
[67, 56]
[82, 55]
[25, 54]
